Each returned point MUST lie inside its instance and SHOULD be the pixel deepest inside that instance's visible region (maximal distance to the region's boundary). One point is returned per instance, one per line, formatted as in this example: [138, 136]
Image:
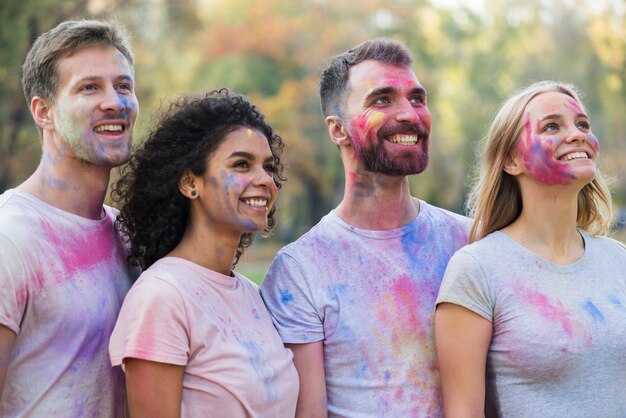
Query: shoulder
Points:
[444, 216]
[606, 247]
[317, 238]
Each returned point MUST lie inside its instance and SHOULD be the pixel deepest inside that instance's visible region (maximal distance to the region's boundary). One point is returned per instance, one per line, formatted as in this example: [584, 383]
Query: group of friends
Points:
[388, 307]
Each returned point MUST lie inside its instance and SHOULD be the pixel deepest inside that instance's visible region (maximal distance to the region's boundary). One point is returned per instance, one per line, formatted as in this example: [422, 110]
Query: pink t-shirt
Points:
[218, 328]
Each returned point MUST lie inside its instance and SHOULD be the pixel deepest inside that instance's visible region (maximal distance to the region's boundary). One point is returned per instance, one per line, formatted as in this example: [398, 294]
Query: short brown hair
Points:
[334, 78]
[39, 76]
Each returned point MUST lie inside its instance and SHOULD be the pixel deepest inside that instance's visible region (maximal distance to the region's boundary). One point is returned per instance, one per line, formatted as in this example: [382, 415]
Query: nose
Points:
[575, 135]
[112, 101]
[407, 112]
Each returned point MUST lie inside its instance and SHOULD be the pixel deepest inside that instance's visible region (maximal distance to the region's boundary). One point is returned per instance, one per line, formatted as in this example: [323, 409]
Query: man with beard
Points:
[63, 270]
[354, 297]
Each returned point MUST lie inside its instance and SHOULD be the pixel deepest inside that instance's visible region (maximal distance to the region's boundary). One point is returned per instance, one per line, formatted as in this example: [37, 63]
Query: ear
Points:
[337, 130]
[513, 165]
[188, 185]
[40, 108]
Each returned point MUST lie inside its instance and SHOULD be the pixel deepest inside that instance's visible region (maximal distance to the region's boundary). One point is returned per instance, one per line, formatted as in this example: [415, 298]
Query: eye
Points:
[583, 125]
[382, 100]
[550, 127]
[241, 164]
[270, 168]
[88, 87]
[417, 100]
[125, 86]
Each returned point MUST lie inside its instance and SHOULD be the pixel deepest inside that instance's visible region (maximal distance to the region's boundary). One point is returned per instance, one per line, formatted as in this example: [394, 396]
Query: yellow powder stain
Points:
[375, 120]
[249, 133]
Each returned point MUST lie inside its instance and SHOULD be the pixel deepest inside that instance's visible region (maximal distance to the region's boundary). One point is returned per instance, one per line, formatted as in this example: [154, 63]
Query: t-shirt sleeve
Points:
[288, 298]
[152, 325]
[13, 285]
[464, 283]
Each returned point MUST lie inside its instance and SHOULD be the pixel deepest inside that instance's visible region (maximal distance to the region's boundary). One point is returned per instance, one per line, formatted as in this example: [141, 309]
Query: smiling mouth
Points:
[110, 128]
[574, 156]
[257, 203]
[403, 139]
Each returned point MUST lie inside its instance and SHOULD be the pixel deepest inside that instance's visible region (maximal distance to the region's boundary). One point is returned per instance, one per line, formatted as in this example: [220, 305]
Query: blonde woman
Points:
[534, 309]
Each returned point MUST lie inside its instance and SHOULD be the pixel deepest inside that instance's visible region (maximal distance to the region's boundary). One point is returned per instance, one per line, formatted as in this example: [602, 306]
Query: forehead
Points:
[371, 75]
[93, 61]
[245, 139]
[553, 103]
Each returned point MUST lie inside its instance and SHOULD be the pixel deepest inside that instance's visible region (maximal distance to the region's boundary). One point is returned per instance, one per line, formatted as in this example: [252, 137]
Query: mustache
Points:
[404, 129]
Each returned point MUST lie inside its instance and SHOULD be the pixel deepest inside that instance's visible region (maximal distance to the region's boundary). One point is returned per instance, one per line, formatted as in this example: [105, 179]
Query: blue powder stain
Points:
[616, 302]
[337, 289]
[285, 296]
[387, 376]
[593, 311]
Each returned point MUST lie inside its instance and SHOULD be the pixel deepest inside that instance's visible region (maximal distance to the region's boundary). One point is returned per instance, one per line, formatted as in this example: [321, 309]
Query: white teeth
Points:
[256, 202]
[573, 156]
[403, 139]
[109, 128]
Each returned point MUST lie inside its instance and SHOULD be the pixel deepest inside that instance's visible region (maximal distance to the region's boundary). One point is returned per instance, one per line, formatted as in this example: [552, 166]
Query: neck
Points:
[70, 185]
[203, 245]
[376, 201]
[547, 225]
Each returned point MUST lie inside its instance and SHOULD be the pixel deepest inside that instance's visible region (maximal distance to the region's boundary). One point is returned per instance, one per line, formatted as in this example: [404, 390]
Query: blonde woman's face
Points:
[557, 145]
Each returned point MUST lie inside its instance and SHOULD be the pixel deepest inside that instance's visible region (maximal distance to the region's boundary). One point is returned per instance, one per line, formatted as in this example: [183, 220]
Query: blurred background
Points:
[468, 54]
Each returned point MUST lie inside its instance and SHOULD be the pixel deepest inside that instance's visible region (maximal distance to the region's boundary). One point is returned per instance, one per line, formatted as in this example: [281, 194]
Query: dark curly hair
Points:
[153, 212]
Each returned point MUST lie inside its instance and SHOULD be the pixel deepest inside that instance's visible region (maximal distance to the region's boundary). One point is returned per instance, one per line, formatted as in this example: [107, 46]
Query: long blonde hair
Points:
[495, 201]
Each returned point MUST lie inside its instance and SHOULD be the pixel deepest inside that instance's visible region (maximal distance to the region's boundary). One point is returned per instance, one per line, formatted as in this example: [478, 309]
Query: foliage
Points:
[469, 59]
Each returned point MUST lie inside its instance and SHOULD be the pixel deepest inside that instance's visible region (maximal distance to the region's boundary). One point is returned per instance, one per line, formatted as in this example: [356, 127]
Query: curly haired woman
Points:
[193, 336]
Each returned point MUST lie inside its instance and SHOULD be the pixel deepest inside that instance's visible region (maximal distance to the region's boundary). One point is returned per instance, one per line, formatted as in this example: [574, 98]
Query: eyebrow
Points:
[559, 116]
[390, 90]
[249, 156]
[124, 77]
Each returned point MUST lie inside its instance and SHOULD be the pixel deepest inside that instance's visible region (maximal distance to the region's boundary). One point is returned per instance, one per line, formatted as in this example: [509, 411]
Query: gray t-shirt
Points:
[559, 331]
[370, 297]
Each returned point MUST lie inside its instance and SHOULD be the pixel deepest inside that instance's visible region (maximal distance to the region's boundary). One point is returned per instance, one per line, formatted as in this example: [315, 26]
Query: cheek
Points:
[593, 141]
[367, 125]
[424, 116]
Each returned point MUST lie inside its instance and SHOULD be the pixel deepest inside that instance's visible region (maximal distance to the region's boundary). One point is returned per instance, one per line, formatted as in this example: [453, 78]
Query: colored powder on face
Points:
[373, 121]
[552, 312]
[593, 311]
[540, 161]
[575, 106]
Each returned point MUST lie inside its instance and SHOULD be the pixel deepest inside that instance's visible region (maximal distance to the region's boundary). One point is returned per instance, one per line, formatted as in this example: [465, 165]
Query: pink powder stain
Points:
[72, 255]
[551, 311]
[539, 159]
[575, 107]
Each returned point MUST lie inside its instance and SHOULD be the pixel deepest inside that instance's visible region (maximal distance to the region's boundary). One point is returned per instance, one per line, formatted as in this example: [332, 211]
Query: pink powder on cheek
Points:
[591, 139]
[539, 159]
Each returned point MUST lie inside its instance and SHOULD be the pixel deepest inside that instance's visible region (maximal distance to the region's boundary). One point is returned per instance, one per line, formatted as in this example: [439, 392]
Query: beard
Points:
[375, 158]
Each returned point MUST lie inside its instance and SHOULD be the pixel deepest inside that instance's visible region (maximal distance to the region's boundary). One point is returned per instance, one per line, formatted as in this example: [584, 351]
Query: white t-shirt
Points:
[62, 282]
[218, 328]
[370, 297]
[559, 331]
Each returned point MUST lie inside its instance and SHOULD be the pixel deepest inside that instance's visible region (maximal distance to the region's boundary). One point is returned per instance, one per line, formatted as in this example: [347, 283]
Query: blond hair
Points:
[495, 201]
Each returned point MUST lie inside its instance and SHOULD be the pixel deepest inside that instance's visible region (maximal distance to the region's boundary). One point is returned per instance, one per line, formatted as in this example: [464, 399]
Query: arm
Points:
[462, 338]
[154, 390]
[309, 361]
[7, 338]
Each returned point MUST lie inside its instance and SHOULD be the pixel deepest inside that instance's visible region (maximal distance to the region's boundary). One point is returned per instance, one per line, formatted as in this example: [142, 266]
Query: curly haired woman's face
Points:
[238, 190]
